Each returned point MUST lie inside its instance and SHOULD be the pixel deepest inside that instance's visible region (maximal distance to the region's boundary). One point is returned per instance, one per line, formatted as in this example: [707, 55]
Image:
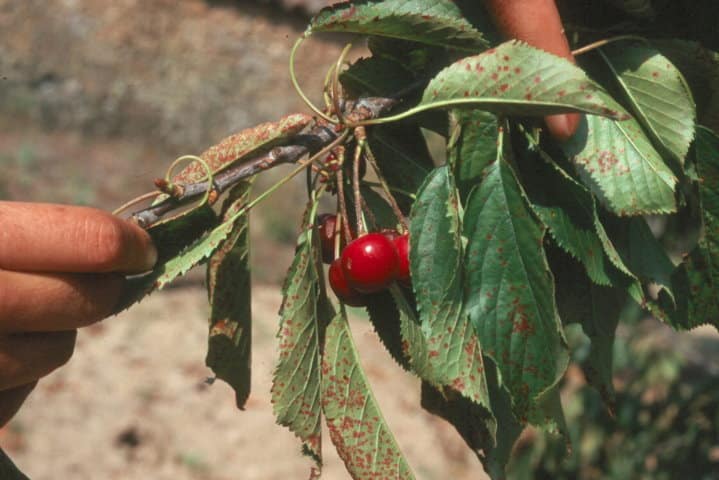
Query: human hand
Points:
[537, 22]
[61, 268]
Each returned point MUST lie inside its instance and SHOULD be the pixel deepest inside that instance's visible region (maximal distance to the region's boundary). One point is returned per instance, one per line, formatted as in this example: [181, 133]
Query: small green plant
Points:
[510, 239]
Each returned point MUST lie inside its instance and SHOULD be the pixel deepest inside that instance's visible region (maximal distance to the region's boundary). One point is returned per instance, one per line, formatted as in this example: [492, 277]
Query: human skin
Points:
[61, 268]
[537, 22]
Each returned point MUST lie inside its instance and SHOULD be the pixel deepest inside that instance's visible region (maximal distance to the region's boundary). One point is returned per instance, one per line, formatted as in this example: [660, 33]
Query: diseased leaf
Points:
[619, 165]
[657, 93]
[305, 312]
[453, 352]
[473, 146]
[509, 290]
[356, 426]
[568, 211]
[234, 147]
[516, 79]
[229, 289]
[432, 22]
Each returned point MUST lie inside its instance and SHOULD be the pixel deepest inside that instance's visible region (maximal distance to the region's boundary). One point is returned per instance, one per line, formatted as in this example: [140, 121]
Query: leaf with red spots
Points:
[509, 290]
[235, 147]
[516, 79]
[432, 22]
[304, 315]
[696, 281]
[363, 440]
[570, 214]
[472, 146]
[229, 290]
[621, 167]
[657, 93]
[451, 354]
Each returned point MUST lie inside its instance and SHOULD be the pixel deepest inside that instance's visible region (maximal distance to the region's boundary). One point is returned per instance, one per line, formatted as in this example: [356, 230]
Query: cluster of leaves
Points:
[513, 238]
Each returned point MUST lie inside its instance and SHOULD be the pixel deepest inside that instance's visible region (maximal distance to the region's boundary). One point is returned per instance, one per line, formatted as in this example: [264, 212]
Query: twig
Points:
[298, 146]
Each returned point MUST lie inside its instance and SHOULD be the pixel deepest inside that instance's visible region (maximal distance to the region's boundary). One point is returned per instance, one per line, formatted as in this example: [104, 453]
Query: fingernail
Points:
[150, 256]
[562, 126]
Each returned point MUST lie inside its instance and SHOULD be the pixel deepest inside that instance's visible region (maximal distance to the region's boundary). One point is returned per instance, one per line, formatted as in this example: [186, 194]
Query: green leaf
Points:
[385, 318]
[453, 352]
[700, 67]
[474, 423]
[641, 251]
[199, 250]
[568, 211]
[509, 289]
[402, 156]
[363, 440]
[172, 236]
[636, 8]
[304, 314]
[508, 427]
[432, 22]
[516, 79]
[472, 147]
[235, 147]
[229, 289]
[600, 326]
[619, 165]
[375, 76]
[696, 282]
[657, 93]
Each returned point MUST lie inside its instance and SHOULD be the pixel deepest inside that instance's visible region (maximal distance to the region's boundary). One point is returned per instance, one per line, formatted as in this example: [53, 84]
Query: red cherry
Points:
[370, 263]
[401, 243]
[339, 285]
[327, 223]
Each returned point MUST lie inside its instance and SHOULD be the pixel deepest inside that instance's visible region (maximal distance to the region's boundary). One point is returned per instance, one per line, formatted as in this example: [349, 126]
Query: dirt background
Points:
[96, 99]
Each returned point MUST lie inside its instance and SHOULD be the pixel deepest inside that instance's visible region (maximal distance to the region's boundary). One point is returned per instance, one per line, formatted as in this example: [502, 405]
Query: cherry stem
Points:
[135, 201]
[336, 95]
[393, 189]
[606, 41]
[341, 191]
[337, 239]
[387, 190]
[296, 84]
[361, 230]
[372, 218]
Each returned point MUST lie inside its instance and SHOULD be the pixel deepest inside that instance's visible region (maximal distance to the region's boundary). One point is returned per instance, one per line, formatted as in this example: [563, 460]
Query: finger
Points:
[43, 302]
[537, 22]
[11, 400]
[27, 357]
[59, 238]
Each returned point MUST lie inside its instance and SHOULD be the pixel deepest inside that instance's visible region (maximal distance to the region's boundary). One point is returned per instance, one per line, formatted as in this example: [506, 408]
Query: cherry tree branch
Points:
[295, 148]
